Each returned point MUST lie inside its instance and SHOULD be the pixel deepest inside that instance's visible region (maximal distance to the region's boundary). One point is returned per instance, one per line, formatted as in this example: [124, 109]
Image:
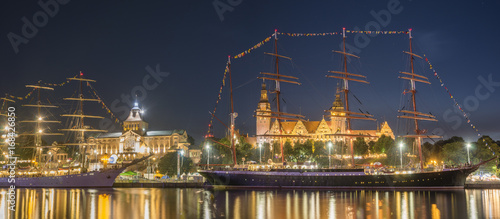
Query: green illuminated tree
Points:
[244, 150]
[383, 144]
[485, 148]
[360, 146]
[454, 153]
[168, 164]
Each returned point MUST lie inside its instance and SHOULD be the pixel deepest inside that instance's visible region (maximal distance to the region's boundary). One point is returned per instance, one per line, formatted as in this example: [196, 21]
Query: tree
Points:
[190, 140]
[319, 150]
[320, 155]
[301, 152]
[441, 143]
[168, 164]
[454, 153]
[275, 151]
[243, 150]
[360, 146]
[485, 148]
[219, 154]
[436, 151]
[427, 152]
[371, 144]
[383, 144]
[289, 152]
[263, 153]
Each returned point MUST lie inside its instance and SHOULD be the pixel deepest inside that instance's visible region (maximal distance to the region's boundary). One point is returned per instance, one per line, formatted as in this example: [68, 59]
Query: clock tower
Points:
[263, 114]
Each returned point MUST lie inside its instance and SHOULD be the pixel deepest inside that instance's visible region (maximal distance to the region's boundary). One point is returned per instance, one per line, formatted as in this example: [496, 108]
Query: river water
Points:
[200, 203]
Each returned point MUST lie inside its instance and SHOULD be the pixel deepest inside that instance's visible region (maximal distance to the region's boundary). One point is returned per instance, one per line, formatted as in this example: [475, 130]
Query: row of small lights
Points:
[330, 145]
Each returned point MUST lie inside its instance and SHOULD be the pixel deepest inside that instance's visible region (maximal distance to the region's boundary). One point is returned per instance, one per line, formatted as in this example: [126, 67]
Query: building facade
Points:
[136, 140]
[302, 130]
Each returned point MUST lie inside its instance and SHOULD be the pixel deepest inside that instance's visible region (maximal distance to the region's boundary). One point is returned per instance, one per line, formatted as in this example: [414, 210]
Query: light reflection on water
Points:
[199, 203]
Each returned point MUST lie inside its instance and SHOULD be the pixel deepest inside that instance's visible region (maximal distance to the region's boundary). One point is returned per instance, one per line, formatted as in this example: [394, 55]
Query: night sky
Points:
[114, 42]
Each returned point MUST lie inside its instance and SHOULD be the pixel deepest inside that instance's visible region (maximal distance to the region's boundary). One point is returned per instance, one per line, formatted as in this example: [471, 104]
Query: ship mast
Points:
[415, 115]
[4, 108]
[40, 119]
[80, 127]
[348, 115]
[233, 114]
[5, 100]
[277, 77]
[278, 91]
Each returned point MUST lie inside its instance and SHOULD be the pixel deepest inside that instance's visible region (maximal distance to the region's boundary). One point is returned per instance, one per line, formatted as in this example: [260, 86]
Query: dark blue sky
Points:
[114, 41]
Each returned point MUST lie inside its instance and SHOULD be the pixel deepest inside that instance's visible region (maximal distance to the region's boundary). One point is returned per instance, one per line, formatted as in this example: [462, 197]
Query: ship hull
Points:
[447, 179]
[104, 178]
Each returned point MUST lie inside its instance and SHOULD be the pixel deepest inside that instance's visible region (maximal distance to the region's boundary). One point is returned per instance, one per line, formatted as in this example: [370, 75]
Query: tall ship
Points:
[45, 169]
[279, 175]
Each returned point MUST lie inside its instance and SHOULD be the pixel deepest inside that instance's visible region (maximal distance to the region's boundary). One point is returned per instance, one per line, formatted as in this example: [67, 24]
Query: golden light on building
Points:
[104, 160]
[323, 130]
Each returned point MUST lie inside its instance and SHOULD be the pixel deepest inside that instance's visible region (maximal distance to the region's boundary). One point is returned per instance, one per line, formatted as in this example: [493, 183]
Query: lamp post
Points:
[468, 156]
[401, 153]
[95, 165]
[260, 153]
[208, 155]
[182, 160]
[329, 154]
[153, 166]
[179, 153]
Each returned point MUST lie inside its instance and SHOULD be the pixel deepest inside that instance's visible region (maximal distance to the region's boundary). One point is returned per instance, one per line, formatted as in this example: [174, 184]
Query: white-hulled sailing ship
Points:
[46, 173]
[351, 177]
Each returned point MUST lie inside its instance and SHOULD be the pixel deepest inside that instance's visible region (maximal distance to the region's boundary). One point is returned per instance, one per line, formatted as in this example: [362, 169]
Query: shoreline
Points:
[468, 185]
[482, 185]
[158, 185]
[153, 184]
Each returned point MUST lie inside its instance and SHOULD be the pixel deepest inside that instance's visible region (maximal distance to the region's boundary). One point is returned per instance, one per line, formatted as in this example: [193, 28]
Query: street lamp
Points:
[260, 153]
[154, 165]
[330, 154]
[182, 158]
[401, 153]
[95, 165]
[208, 155]
[468, 156]
[181, 152]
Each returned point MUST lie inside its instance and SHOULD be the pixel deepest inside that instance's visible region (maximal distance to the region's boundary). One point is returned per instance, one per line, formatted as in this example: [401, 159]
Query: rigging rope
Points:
[103, 104]
[31, 92]
[22, 97]
[464, 114]
[217, 101]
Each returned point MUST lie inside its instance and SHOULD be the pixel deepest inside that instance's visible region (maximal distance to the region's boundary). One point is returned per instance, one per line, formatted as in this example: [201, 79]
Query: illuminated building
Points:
[301, 130]
[136, 140]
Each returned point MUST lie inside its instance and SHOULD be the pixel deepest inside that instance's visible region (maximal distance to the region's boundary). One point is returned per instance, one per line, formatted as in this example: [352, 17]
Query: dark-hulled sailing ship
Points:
[351, 177]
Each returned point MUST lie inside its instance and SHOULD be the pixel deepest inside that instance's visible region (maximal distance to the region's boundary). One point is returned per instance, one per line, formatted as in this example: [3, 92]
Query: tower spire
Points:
[337, 103]
[263, 94]
[136, 103]
[135, 120]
